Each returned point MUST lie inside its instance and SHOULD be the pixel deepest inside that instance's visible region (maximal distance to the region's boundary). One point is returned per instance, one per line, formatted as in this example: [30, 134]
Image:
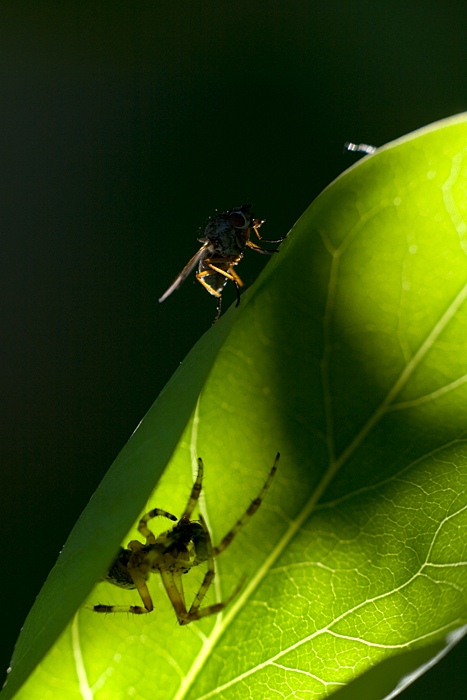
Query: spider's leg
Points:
[173, 585]
[248, 513]
[195, 491]
[213, 609]
[195, 613]
[132, 609]
[145, 531]
[142, 589]
[209, 573]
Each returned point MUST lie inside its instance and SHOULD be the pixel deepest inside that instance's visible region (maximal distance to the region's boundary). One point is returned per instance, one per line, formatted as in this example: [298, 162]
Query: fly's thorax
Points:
[223, 238]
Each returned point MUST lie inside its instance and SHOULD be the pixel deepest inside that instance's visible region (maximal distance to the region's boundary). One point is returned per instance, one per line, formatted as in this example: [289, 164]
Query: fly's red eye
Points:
[238, 220]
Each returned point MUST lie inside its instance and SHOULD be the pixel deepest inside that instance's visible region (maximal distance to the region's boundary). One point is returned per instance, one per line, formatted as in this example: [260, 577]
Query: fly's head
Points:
[229, 232]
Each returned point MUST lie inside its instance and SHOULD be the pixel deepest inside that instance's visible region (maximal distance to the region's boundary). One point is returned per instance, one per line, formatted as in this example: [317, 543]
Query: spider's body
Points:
[174, 553]
[224, 239]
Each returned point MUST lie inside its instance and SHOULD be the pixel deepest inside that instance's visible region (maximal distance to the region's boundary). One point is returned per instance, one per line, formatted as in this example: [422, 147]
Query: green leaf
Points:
[349, 357]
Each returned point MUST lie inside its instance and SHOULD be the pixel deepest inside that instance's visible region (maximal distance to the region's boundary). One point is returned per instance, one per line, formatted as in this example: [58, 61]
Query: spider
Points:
[224, 240]
[174, 553]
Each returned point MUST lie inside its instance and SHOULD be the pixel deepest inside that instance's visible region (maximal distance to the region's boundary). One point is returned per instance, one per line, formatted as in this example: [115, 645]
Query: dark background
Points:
[122, 128]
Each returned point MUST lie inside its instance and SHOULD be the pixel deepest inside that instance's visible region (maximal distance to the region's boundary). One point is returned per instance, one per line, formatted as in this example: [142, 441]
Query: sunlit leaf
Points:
[349, 356]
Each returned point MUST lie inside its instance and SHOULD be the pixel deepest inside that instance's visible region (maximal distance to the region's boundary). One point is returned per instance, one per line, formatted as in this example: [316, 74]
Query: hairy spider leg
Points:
[209, 573]
[216, 607]
[142, 589]
[195, 491]
[172, 580]
[248, 513]
[139, 564]
[145, 531]
[146, 559]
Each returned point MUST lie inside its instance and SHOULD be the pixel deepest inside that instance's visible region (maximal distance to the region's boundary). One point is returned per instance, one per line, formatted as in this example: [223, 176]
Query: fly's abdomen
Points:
[214, 283]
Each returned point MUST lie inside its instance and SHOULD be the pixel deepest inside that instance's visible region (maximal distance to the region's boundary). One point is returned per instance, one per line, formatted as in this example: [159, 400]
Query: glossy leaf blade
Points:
[349, 357]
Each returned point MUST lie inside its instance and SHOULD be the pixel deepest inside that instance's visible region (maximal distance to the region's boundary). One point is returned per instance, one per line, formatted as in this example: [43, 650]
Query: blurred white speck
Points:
[397, 201]
[413, 249]
[431, 174]
[405, 285]
[117, 657]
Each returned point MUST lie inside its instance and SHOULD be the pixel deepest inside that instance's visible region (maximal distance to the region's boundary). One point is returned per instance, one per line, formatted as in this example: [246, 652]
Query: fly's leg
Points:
[230, 275]
[219, 309]
[207, 286]
[255, 226]
[261, 250]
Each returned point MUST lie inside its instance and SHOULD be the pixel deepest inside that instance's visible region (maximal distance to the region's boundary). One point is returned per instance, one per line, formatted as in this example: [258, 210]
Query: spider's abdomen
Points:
[118, 573]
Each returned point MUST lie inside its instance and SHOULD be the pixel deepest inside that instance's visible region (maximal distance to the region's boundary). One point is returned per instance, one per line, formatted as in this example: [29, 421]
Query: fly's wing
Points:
[200, 255]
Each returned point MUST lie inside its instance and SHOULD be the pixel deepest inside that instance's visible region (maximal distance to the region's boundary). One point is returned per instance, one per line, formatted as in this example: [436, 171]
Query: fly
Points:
[224, 239]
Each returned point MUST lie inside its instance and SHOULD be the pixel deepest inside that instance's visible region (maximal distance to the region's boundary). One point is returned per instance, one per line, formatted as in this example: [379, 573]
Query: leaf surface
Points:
[349, 357]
